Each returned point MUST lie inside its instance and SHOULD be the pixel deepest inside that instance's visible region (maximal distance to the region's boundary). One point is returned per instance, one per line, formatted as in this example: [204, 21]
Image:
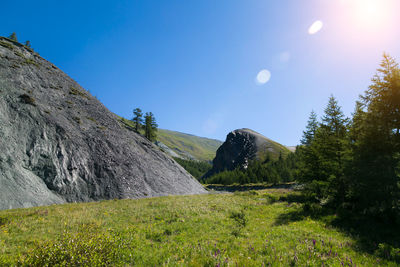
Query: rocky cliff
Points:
[242, 146]
[59, 144]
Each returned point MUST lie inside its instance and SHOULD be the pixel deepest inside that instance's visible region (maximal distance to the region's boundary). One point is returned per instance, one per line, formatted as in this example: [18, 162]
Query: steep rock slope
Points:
[60, 144]
[242, 146]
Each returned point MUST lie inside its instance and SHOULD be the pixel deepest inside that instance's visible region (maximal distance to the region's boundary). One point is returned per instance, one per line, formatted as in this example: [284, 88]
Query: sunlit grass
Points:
[244, 229]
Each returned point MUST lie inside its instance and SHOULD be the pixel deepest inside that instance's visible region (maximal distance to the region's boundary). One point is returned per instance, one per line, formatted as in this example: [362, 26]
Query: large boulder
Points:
[241, 147]
[59, 144]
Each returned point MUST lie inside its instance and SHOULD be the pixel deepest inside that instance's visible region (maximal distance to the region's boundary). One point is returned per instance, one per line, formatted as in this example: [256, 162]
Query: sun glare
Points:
[371, 14]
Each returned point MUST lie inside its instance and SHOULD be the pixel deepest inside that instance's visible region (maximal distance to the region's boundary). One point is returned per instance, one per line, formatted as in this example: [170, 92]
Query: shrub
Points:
[83, 249]
[388, 252]
[240, 221]
[6, 45]
[29, 61]
[27, 99]
[270, 198]
[74, 91]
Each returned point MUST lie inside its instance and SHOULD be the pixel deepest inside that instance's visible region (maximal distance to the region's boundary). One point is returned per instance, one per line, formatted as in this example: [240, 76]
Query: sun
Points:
[371, 14]
[370, 10]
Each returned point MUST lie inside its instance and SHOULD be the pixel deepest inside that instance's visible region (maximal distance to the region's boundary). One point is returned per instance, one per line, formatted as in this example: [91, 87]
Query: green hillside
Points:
[255, 228]
[185, 145]
[199, 147]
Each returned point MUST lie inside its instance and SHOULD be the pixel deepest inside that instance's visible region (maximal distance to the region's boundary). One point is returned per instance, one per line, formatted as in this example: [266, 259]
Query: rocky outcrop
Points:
[59, 144]
[242, 146]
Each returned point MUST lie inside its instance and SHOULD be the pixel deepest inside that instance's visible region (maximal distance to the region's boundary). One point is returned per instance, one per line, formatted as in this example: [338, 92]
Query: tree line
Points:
[266, 171]
[354, 163]
[194, 167]
[13, 37]
[147, 124]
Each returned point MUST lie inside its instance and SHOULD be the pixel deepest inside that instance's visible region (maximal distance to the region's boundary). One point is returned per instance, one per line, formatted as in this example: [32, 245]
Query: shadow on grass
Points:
[3, 221]
[248, 187]
[379, 236]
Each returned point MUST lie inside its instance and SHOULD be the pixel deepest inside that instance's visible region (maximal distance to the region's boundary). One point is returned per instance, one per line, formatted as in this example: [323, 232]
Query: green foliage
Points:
[13, 37]
[311, 129]
[194, 167]
[29, 61]
[77, 92]
[138, 119]
[240, 220]
[150, 127]
[6, 45]
[79, 249]
[355, 165]
[19, 54]
[28, 44]
[271, 198]
[92, 119]
[388, 252]
[324, 155]
[269, 171]
[376, 144]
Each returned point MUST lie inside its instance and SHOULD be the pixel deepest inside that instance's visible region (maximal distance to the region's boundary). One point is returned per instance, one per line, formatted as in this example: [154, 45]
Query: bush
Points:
[6, 45]
[240, 221]
[27, 99]
[77, 92]
[83, 249]
[388, 252]
[270, 198]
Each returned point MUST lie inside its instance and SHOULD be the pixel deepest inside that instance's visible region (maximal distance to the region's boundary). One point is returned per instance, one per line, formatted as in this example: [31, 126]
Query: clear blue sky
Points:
[194, 63]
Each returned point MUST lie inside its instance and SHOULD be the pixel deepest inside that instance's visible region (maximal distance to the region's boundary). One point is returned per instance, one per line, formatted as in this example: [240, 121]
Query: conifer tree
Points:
[308, 163]
[311, 129]
[150, 126]
[28, 43]
[13, 37]
[138, 119]
[377, 143]
[331, 145]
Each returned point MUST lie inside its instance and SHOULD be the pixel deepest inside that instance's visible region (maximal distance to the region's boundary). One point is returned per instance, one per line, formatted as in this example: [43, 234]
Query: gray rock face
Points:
[59, 144]
[166, 149]
[242, 146]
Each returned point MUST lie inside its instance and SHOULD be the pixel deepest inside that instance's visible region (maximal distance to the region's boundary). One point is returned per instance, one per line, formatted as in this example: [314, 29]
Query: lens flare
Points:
[315, 27]
[263, 76]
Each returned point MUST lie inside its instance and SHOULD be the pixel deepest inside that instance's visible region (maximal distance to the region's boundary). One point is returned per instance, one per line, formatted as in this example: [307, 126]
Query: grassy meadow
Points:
[268, 227]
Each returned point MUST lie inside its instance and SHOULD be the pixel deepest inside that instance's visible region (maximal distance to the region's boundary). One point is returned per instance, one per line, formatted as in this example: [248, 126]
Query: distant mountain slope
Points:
[188, 145]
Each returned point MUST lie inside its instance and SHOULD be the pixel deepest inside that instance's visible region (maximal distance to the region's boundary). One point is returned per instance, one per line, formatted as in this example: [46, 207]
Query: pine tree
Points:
[13, 37]
[138, 119]
[323, 154]
[150, 126]
[377, 143]
[331, 145]
[28, 43]
[308, 158]
[311, 129]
